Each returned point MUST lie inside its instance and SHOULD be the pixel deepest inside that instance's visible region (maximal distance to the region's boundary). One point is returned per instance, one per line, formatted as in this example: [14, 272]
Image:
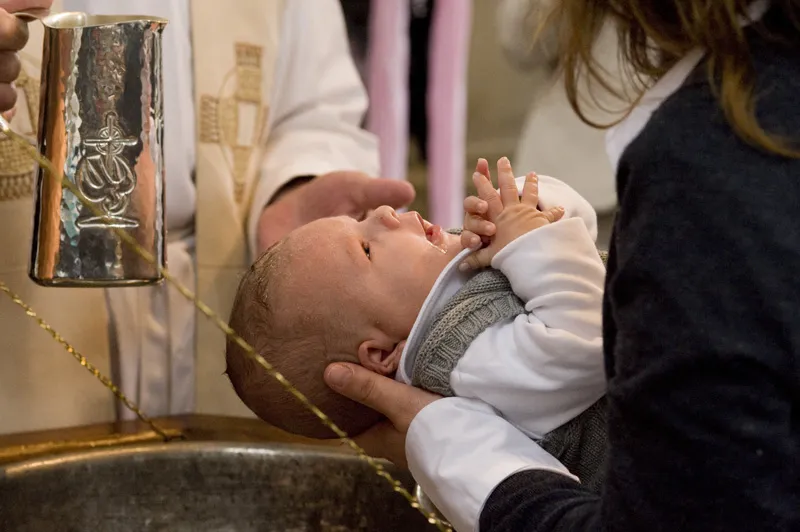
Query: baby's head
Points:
[333, 290]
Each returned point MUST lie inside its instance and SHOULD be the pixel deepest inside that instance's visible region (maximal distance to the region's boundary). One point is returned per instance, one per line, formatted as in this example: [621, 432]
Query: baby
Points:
[389, 293]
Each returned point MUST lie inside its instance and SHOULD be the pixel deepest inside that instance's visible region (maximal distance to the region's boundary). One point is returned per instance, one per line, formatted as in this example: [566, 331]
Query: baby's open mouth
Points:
[433, 234]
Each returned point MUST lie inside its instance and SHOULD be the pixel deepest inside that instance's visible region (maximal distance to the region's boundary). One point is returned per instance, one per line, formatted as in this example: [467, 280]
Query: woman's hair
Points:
[653, 35]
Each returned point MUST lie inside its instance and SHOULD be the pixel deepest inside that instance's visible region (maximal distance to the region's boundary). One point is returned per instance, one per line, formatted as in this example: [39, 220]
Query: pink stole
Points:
[388, 63]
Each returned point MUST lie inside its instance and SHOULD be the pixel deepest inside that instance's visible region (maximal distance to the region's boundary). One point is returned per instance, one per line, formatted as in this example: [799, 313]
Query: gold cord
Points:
[214, 317]
[108, 383]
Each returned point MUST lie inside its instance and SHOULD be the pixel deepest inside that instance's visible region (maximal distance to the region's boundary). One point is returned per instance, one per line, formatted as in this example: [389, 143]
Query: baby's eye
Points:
[366, 248]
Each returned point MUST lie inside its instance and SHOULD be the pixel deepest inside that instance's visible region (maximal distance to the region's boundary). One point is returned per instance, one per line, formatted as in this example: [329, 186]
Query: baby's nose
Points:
[387, 216]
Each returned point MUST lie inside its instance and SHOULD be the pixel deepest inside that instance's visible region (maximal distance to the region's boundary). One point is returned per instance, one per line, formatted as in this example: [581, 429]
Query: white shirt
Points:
[543, 368]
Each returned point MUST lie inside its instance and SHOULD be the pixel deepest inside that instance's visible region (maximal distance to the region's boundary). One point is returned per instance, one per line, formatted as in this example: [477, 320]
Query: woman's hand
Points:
[399, 402]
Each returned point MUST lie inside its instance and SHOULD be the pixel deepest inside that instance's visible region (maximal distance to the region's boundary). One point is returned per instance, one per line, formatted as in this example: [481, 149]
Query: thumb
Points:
[477, 260]
[398, 402]
[13, 6]
[382, 191]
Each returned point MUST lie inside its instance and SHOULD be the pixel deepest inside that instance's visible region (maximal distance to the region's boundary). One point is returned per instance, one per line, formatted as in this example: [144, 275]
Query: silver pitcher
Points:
[101, 123]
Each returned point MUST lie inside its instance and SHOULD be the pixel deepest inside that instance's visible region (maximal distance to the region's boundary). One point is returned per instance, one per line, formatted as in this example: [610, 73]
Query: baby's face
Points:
[381, 268]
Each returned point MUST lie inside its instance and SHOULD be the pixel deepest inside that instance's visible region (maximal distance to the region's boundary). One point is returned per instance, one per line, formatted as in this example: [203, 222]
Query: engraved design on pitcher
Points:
[106, 178]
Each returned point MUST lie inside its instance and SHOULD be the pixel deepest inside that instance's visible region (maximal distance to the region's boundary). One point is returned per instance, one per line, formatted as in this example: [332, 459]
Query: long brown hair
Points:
[654, 34]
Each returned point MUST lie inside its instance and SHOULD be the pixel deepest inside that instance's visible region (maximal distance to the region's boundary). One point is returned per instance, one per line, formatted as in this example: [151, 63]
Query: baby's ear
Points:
[382, 358]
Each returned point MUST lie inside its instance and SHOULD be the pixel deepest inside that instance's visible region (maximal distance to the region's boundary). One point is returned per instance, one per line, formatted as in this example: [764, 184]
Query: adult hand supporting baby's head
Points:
[399, 402]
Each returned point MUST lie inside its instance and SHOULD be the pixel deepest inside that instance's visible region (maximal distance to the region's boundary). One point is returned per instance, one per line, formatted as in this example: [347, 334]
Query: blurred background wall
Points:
[499, 98]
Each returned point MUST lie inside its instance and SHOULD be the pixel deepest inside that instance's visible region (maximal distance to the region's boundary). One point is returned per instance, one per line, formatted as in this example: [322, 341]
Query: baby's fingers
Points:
[483, 168]
[477, 260]
[479, 225]
[470, 240]
[554, 214]
[506, 183]
[530, 192]
[487, 193]
[475, 205]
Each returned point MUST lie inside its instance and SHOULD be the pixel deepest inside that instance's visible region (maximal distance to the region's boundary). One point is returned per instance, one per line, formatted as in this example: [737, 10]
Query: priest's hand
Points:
[343, 193]
[13, 37]
[399, 402]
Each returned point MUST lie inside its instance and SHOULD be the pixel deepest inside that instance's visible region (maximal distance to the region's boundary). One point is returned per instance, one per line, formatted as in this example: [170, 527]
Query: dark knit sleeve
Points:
[702, 322]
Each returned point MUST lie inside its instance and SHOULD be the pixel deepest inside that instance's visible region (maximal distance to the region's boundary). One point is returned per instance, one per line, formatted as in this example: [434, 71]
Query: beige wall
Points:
[499, 96]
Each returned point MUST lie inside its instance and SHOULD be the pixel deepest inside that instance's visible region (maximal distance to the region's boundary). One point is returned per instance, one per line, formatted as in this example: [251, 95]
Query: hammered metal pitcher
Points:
[101, 123]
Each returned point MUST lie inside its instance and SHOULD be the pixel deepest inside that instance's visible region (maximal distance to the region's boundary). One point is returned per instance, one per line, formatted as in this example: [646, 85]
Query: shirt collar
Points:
[619, 137]
[446, 286]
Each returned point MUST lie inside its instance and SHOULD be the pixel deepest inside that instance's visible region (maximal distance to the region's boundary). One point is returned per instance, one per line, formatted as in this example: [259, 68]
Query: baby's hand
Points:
[509, 215]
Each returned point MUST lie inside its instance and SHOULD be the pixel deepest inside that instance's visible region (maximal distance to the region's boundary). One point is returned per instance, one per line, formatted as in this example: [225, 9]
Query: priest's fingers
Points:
[13, 6]
[10, 67]
[13, 32]
[371, 193]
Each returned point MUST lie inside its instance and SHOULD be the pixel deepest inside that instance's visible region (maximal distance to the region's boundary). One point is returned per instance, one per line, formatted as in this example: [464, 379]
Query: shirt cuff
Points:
[459, 450]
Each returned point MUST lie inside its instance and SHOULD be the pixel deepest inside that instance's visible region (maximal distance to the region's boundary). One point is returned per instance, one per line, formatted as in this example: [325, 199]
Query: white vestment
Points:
[255, 95]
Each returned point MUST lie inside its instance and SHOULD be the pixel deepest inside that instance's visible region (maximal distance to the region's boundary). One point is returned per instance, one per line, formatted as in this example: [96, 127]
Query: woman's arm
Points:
[702, 343]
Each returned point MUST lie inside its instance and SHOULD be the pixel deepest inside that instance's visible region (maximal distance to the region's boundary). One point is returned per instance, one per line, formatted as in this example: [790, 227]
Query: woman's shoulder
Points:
[689, 141]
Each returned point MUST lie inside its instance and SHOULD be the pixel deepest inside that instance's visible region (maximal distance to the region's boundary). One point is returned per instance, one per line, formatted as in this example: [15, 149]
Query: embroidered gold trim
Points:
[16, 172]
[248, 72]
[241, 158]
[30, 89]
[209, 123]
[16, 187]
[228, 113]
[220, 115]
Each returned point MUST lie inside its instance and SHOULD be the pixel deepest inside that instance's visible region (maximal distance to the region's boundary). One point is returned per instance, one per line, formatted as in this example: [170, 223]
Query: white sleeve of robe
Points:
[317, 105]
